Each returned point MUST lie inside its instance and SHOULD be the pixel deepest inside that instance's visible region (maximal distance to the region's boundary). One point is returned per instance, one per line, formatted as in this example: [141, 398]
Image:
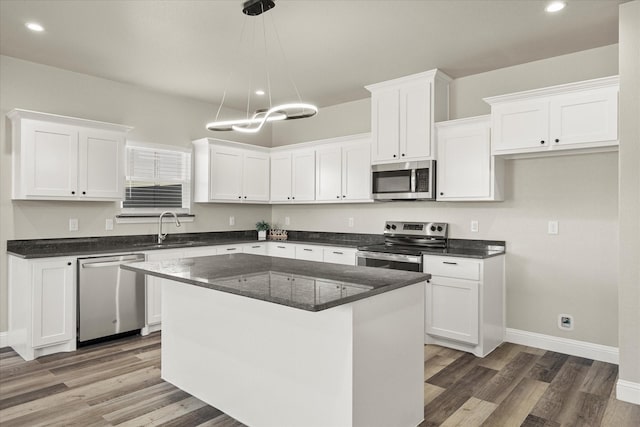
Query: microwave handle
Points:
[413, 180]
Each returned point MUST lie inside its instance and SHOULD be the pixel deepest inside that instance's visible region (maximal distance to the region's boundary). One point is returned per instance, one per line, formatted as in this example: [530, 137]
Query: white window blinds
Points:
[157, 180]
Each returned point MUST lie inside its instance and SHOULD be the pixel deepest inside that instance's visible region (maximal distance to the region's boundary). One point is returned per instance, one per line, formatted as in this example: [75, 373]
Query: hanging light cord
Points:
[284, 58]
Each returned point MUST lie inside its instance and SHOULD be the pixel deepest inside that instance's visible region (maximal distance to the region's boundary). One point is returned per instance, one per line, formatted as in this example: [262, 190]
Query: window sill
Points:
[151, 218]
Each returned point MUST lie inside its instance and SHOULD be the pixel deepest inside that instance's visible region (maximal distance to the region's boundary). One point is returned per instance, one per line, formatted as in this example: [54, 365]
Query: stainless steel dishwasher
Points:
[111, 300]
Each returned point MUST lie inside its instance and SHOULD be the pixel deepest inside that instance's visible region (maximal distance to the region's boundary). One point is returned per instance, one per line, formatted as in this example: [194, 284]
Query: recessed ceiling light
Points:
[34, 26]
[260, 92]
[555, 6]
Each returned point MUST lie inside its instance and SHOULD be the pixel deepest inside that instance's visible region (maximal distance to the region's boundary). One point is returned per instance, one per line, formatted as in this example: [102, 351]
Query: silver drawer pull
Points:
[308, 250]
[231, 249]
[450, 263]
[281, 247]
[339, 253]
[255, 247]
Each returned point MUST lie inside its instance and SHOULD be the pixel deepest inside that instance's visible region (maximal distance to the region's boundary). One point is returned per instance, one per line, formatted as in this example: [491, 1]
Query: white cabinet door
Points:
[329, 174]
[520, 126]
[281, 177]
[101, 164]
[356, 171]
[415, 121]
[226, 173]
[154, 286]
[326, 291]
[54, 301]
[584, 117]
[49, 159]
[452, 309]
[464, 162]
[255, 177]
[385, 124]
[303, 176]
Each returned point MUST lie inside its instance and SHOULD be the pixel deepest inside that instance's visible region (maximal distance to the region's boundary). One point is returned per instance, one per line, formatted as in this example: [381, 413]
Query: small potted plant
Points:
[262, 227]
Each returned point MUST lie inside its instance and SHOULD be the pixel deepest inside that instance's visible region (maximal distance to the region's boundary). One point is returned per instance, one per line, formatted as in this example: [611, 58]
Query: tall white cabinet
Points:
[65, 158]
[403, 112]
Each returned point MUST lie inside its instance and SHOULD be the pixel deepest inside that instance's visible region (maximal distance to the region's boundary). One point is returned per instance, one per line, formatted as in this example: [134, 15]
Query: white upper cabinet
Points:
[466, 169]
[64, 158]
[230, 172]
[293, 176]
[343, 171]
[576, 116]
[403, 112]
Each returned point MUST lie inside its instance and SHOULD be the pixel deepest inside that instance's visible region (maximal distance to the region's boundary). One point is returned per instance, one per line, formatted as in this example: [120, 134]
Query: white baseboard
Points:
[628, 391]
[585, 349]
[4, 339]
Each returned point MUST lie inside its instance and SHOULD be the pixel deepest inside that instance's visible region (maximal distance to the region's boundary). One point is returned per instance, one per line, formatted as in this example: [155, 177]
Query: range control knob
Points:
[433, 228]
[388, 227]
[439, 228]
[393, 227]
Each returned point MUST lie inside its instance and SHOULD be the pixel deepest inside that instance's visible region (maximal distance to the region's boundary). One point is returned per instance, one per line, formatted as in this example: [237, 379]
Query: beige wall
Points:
[574, 272]
[157, 118]
[629, 288]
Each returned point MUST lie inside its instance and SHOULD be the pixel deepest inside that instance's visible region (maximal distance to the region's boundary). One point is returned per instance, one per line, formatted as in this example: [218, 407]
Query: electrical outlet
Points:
[565, 322]
[350, 222]
[232, 220]
[553, 227]
[287, 220]
[73, 224]
[474, 226]
[108, 224]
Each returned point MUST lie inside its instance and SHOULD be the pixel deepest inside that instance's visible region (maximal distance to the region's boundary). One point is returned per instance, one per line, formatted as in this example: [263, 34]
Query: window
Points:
[158, 179]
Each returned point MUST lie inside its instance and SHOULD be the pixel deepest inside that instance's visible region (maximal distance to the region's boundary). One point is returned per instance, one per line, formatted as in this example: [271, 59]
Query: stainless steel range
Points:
[403, 245]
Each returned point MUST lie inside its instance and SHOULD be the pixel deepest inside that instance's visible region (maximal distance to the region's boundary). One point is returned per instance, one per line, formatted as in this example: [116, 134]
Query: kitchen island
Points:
[281, 342]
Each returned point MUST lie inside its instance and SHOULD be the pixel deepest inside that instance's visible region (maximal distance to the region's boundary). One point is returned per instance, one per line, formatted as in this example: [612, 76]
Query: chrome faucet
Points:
[162, 236]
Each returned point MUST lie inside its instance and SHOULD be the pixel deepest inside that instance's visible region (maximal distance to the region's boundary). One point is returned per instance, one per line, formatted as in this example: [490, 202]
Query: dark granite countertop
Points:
[44, 248]
[307, 285]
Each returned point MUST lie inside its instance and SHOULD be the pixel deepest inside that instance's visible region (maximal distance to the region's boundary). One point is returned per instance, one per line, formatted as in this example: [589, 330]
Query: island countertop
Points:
[306, 285]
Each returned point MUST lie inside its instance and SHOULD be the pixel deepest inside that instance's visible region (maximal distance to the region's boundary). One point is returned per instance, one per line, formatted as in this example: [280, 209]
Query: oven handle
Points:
[390, 257]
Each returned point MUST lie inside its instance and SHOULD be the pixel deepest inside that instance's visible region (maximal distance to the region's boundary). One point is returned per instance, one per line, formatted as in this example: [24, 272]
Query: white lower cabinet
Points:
[42, 314]
[153, 309]
[465, 303]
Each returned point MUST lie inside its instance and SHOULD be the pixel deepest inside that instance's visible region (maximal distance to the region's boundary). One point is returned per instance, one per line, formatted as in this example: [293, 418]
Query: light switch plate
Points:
[232, 220]
[350, 222]
[553, 227]
[108, 224]
[287, 220]
[474, 226]
[73, 224]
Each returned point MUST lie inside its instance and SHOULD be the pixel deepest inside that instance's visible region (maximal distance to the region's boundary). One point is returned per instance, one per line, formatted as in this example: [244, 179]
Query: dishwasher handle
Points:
[122, 260]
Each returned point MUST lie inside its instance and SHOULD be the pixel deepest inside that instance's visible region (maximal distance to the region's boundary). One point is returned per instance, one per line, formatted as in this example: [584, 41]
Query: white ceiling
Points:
[333, 47]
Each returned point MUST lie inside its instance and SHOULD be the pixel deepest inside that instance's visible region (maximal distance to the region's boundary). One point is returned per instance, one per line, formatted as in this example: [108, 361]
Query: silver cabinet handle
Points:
[232, 249]
[308, 250]
[450, 263]
[255, 247]
[281, 247]
[112, 263]
[339, 253]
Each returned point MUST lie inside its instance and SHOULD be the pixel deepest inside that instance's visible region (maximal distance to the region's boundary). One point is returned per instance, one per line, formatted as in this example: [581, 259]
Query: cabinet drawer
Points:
[282, 250]
[309, 253]
[255, 248]
[228, 249]
[458, 268]
[339, 256]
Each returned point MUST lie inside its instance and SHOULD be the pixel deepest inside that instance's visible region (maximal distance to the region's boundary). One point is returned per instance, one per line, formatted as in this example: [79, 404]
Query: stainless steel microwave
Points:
[404, 181]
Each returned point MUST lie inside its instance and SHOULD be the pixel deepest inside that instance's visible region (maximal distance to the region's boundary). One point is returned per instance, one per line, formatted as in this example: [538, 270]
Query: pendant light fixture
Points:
[253, 122]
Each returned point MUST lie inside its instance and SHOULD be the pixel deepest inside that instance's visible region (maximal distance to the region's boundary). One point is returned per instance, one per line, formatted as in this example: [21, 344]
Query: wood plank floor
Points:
[119, 384]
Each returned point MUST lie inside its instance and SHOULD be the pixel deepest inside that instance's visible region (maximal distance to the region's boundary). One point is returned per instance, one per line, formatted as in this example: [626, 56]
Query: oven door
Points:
[392, 261]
